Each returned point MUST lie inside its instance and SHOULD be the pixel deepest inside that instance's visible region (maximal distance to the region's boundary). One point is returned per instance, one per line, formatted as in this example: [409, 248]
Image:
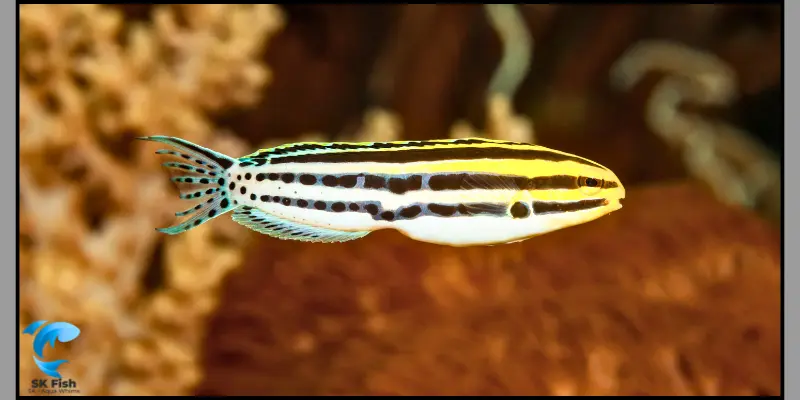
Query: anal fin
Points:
[279, 228]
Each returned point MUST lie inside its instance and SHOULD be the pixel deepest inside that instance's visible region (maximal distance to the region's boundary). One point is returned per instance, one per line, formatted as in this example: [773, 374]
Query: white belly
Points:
[474, 230]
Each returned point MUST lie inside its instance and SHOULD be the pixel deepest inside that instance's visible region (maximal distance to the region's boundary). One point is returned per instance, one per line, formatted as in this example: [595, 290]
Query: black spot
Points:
[286, 201]
[209, 191]
[252, 196]
[520, 210]
[302, 203]
[371, 208]
[232, 186]
[338, 206]
[221, 181]
[387, 215]
[462, 209]
[238, 177]
[204, 181]
[320, 205]
[273, 176]
[197, 222]
[307, 179]
[442, 209]
[265, 199]
[354, 207]
[410, 212]
[374, 182]
[243, 190]
[402, 185]
[276, 199]
[212, 213]
[247, 176]
[236, 202]
[397, 185]
[348, 181]
[414, 182]
[287, 178]
[224, 203]
[261, 177]
[329, 180]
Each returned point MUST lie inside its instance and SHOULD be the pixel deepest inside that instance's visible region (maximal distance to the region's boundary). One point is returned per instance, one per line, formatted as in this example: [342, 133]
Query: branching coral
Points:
[90, 199]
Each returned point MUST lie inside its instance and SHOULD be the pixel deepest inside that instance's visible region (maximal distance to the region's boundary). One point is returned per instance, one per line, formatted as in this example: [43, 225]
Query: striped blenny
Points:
[459, 192]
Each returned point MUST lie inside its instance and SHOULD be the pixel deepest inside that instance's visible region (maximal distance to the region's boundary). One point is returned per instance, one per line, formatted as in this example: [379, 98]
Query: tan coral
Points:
[502, 123]
[81, 93]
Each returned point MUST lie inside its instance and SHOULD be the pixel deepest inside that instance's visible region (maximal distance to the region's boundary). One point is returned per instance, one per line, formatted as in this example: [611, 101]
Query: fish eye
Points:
[589, 185]
[590, 182]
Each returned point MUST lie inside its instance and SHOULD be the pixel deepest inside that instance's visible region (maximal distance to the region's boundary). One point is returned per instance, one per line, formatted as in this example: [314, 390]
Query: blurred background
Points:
[676, 294]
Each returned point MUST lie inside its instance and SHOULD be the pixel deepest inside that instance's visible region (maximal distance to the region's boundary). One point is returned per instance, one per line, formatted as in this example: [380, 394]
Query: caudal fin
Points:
[207, 176]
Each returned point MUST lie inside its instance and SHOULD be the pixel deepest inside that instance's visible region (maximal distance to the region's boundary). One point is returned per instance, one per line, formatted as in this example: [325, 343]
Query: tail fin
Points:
[209, 174]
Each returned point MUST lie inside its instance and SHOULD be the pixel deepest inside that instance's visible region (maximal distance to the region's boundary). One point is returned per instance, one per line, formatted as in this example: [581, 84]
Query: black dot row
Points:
[518, 210]
[397, 185]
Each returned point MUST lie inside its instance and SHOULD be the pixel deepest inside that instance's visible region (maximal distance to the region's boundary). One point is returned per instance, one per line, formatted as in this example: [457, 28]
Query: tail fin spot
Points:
[213, 164]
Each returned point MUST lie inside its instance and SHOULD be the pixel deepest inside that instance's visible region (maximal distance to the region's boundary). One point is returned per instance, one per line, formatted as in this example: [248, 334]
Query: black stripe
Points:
[347, 147]
[544, 207]
[609, 184]
[494, 182]
[400, 184]
[435, 154]
[378, 212]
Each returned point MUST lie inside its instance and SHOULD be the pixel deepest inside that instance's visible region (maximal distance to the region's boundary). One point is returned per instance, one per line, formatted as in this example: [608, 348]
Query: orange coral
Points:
[676, 294]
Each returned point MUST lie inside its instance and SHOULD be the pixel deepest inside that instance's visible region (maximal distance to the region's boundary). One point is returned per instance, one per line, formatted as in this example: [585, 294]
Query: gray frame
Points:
[12, 89]
[792, 323]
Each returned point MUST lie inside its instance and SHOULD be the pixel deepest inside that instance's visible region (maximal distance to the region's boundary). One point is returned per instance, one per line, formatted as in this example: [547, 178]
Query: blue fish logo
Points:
[63, 331]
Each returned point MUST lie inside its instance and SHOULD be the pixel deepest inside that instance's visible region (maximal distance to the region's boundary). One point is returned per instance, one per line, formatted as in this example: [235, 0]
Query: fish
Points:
[454, 192]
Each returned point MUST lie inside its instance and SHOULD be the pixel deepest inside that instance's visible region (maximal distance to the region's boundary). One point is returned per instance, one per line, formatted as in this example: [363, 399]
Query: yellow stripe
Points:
[431, 145]
[526, 168]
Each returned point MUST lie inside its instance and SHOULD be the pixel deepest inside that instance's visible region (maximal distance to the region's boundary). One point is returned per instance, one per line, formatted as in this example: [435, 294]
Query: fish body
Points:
[459, 192]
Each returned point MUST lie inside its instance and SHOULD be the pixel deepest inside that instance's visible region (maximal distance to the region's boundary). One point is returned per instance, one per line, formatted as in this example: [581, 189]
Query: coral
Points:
[502, 123]
[678, 294]
[90, 199]
[738, 168]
